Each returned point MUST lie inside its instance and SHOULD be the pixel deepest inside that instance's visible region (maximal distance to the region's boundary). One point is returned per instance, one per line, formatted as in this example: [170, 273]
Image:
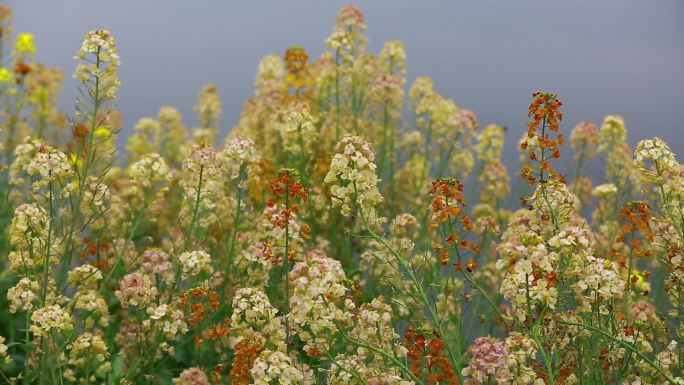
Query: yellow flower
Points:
[639, 281]
[5, 75]
[75, 161]
[25, 43]
[102, 133]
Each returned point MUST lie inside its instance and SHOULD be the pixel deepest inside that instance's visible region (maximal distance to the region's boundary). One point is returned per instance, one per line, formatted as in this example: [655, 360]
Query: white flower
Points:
[195, 262]
[3, 351]
[99, 58]
[353, 178]
[655, 161]
[50, 317]
[275, 367]
[23, 294]
[149, 170]
[50, 164]
[605, 190]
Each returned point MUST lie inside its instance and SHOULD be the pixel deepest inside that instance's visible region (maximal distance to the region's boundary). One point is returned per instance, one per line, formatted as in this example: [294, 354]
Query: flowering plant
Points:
[335, 236]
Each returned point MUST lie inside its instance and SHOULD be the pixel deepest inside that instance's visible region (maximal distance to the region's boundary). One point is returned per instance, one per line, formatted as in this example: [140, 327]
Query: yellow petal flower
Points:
[25, 43]
[5, 75]
[102, 133]
[75, 161]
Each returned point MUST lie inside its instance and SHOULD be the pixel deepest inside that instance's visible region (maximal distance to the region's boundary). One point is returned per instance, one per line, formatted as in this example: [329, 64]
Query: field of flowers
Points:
[342, 233]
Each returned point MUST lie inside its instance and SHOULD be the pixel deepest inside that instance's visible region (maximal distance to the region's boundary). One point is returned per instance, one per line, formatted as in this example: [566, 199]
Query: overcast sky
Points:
[601, 57]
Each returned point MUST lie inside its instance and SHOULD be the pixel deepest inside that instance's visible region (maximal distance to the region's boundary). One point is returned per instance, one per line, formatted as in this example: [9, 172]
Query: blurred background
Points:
[601, 57]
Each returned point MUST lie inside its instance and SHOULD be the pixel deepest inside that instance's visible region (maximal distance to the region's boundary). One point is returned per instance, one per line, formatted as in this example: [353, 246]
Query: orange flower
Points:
[246, 352]
[428, 358]
[298, 73]
[287, 184]
[193, 299]
[545, 113]
[636, 217]
[447, 211]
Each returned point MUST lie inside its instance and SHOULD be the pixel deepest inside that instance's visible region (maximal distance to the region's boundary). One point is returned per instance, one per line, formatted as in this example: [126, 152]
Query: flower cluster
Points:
[447, 211]
[25, 43]
[194, 263]
[636, 227]
[255, 317]
[247, 350]
[192, 376]
[269, 260]
[495, 182]
[87, 352]
[50, 164]
[317, 304]
[427, 352]
[531, 276]
[613, 131]
[237, 157]
[150, 170]
[201, 187]
[194, 302]
[655, 161]
[208, 107]
[297, 66]
[541, 147]
[269, 74]
[489, 361]
[374, 327]
[297, 129]
[29, 220]
[490, 143]
[352, 177]
[347, 39]
[597, 280]
[585, 139]
[157, 263]
[50, 318]
[275, 367]
[99, 58]
[554, 202]
[23, 295]
[3, 351]
[137, 289]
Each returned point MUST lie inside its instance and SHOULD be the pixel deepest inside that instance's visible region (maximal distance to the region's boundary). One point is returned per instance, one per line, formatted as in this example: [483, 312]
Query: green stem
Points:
[286, 264]
[625, 345]
[195, 211]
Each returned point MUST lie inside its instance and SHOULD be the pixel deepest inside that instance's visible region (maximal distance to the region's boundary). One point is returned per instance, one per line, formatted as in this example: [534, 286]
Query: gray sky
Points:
[601, 57]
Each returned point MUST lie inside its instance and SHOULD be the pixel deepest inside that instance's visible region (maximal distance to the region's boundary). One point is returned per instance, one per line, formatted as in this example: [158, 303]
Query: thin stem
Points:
[195, 210]
[625, 345]
[286, 264]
